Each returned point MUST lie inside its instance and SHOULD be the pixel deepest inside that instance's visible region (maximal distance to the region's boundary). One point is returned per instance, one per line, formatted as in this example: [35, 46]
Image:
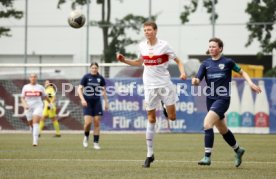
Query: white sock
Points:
[35, 133]
[149, 137]
[235, 146]
[31, 129]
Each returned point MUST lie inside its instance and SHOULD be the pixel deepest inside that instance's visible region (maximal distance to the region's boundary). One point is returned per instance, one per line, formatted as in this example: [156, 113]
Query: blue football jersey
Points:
[218, 75]
[93, 85]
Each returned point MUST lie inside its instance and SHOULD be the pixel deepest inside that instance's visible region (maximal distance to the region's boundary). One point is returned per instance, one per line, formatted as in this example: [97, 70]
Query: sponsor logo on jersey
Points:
[215, 75]
[32, 93]
[156, 59]
[93, 84]
[98, 80]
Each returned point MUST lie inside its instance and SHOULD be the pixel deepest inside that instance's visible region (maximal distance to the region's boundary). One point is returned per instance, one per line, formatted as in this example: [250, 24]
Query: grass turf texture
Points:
[122, 156]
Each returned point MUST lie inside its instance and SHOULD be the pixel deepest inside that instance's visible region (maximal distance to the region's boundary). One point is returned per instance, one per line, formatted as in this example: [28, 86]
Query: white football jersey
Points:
[156, 60]
[33, 94]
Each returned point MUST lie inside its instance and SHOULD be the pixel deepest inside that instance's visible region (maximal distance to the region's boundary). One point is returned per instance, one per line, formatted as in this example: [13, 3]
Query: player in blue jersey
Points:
[217, 71]
[91, 88]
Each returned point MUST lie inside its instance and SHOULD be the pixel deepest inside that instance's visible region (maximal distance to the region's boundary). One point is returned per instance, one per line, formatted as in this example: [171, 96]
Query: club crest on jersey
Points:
[98, 80]
[221, 66]
[159, 60]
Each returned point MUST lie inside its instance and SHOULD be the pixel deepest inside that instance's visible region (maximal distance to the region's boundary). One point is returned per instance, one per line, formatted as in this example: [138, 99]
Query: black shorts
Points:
[94, 108]
[219, 106]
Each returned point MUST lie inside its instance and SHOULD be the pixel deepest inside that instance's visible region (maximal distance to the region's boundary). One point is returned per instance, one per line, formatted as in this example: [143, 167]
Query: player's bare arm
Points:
[252, 85]
[80, 93]
[181, 68]
[122, 58]
[105, 99]
[195, 81]
[25, 105]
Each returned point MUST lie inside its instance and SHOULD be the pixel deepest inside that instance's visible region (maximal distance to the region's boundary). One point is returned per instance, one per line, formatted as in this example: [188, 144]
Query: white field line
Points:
[119, 161]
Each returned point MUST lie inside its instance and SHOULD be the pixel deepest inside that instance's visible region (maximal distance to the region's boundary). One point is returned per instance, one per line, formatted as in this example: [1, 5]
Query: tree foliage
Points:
[271, 72]
[118, 36]
[7, 11]
[262, 19]
[115, 38]
[262, 11]
[73, 3]
[192, 7]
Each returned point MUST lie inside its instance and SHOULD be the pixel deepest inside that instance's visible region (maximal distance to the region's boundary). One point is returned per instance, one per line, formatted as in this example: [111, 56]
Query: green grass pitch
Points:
[122, 156]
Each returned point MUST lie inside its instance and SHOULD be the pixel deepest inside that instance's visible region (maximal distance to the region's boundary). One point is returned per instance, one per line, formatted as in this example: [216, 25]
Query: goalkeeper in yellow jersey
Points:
[49, 110]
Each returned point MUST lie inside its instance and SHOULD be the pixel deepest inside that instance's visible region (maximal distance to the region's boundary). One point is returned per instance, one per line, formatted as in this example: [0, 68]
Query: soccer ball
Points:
[76, 19]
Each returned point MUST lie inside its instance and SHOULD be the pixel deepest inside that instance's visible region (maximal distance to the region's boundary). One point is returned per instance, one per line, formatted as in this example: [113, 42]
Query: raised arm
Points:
[122, 58]
[181, 68]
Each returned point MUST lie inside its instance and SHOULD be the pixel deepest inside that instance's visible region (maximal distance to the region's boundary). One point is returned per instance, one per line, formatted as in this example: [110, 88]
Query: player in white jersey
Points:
[32, 99]
[155, 55]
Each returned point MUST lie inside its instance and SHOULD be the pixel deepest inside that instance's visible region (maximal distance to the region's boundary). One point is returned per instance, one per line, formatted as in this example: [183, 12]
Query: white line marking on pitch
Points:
[103, 160]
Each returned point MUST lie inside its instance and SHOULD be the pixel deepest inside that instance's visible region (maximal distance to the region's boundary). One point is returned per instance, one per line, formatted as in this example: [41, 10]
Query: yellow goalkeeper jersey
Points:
[50, 91]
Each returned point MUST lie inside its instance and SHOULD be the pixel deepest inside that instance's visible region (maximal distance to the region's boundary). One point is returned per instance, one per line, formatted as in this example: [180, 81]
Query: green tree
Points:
[115, 38]
[271, 72]
[262, 11]
[6, 11]
[118, 36]
[192, 7]
[259, 10]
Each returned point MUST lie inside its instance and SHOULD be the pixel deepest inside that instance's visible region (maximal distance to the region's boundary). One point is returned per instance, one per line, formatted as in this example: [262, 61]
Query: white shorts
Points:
[153, 97]
[37, 110]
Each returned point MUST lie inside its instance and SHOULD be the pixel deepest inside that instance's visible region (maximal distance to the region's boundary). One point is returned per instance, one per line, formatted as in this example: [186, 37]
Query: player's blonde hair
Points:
[33, 74]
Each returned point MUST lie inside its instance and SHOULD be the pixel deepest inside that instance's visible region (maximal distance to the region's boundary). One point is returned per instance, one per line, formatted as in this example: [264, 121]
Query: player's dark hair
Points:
[94, 63]
[218, 41]
[152, 24]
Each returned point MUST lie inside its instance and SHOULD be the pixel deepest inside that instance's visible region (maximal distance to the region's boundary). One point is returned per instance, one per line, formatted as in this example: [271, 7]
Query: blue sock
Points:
[230, 139]
[209, 141]
[96, 138]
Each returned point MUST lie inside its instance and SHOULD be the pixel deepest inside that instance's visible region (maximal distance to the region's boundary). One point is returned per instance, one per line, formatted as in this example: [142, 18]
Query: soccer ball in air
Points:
[76, 19]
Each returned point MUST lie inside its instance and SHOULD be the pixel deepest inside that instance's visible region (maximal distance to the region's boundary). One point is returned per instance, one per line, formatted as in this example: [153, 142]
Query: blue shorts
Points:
[219, 106]
[94, 108]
